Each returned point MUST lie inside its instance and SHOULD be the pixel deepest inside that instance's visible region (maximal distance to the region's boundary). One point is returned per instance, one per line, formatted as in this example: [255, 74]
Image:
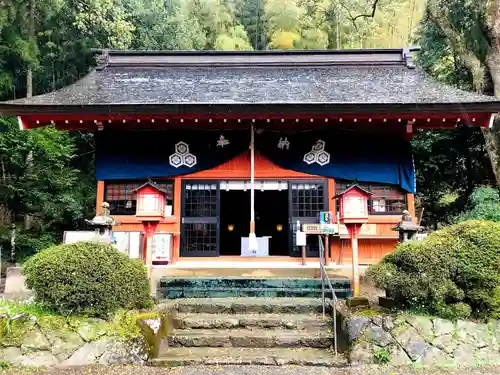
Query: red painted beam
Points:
[272, 120]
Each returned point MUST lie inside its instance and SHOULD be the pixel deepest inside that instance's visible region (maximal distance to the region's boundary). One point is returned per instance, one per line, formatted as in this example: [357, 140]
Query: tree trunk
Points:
[31, 37]
[492, 136]
[29, 92]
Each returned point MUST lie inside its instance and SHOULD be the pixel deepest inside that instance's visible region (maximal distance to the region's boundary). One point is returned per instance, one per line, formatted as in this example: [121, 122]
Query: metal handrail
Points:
[326, 280]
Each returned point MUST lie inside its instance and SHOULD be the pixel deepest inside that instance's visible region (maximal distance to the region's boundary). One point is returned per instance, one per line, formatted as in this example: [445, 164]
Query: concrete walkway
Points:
[248, 370]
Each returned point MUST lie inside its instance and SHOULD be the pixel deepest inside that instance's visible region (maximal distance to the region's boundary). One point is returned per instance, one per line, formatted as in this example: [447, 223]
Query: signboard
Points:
[162, 243]
[262, 247]
[130, 243]
[325, 217]
[78, 236]
[300, 239]
[320, 228]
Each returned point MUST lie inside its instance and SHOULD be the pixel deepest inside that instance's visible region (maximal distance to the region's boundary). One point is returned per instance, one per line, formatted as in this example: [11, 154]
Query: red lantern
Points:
[150, 202]
[353, 213]
[353, 207]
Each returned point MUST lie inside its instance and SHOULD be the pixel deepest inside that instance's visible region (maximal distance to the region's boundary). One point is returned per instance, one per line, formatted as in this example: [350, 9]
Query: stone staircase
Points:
[221, 287]
[264, 331]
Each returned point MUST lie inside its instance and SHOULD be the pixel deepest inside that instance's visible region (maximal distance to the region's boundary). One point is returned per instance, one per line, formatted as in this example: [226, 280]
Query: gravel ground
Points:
[248, 370]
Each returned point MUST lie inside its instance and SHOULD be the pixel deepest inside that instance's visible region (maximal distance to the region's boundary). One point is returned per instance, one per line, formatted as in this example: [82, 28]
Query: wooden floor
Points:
[249, 269]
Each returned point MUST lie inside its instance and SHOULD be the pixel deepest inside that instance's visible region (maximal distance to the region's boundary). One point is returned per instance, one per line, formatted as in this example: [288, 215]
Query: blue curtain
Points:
[342, 155]
[144, 154]
[345, 155]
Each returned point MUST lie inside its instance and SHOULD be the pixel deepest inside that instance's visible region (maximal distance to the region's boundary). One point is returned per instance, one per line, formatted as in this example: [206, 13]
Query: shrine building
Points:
[321, 120]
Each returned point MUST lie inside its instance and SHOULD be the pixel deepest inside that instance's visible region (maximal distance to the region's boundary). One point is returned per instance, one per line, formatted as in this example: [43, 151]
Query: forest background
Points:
[47, 179]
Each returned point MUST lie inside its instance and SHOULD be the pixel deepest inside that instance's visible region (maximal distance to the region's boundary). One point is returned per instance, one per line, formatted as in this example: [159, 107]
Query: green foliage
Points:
[4, 365]
[484, 204]
[381, 356]
[449, 164]
[453, 273]
[87, 278]
[40, 180]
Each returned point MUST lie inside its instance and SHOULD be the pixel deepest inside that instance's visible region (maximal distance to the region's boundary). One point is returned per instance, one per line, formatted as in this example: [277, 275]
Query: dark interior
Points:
[271, 209]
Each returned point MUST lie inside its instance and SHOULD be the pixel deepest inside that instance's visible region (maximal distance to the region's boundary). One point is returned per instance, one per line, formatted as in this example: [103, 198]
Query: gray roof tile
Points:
[384, 77]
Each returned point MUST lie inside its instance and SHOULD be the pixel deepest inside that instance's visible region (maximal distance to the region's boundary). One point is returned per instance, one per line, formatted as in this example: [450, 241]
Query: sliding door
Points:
[307, 199]
[200, 219]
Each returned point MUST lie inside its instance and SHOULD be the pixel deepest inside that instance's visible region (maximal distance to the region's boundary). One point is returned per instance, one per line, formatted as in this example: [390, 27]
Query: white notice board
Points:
[130, 243]
[162, 246]
[72, 236]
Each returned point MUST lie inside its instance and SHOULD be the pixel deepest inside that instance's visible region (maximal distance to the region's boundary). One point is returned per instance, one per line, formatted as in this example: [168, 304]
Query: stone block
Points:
[443, 327]
[362, 354]
[91, 330]
[34, 341]
[423, 325]
[387, 302]
[398, 356]
[446, 343]
[357, 302]
[354, 326]
[435, 357]
[377, 335]
[38, 359]
[465, 354]
[10, 354]
[15, 283]
[87, 354]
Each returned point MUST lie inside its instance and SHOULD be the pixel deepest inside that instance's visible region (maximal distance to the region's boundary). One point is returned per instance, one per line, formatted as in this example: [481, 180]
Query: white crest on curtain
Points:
[182, 156]
[317, 154]
[284, 143]
[222, 141]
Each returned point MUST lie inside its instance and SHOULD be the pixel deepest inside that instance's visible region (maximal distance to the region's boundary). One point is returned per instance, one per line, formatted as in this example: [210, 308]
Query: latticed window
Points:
[123, 201]
[385, 199]
[200, 200]
[308, 199]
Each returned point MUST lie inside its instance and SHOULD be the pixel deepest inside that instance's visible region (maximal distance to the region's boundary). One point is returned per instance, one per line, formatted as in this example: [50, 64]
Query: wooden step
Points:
[249, 356]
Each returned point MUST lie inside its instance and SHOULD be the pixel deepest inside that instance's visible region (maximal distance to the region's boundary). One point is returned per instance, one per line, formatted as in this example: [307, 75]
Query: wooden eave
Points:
[189, 87]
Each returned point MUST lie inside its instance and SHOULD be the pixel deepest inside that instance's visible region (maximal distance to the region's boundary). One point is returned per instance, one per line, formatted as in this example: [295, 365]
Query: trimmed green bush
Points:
[454, 272]
[87, 278]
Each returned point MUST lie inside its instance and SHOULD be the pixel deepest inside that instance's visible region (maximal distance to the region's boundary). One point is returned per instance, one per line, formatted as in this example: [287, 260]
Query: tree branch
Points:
[438, 15]
[368, 15]
[365, 15]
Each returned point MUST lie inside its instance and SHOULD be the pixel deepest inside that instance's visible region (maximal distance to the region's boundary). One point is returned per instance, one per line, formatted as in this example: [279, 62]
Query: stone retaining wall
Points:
[406, 339]
[28, 342]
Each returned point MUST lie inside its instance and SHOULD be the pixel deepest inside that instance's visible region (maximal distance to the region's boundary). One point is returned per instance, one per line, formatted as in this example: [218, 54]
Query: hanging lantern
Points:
[279, 227]
[150, 201]
[353, 207]
[230, 227]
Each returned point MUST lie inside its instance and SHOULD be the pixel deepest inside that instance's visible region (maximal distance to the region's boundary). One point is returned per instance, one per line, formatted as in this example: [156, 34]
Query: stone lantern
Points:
[103, 224]
[407, 228]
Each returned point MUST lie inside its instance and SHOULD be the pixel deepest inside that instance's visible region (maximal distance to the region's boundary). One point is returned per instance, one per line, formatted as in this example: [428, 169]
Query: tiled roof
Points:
[357, 77]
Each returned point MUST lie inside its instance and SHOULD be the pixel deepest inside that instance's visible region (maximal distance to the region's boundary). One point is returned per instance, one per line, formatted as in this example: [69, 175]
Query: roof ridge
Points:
[268, 58]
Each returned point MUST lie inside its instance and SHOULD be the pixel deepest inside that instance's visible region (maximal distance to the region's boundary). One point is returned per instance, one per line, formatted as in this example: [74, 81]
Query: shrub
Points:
[454, 272]
[483, 204]
[87, 278]
[381, 356]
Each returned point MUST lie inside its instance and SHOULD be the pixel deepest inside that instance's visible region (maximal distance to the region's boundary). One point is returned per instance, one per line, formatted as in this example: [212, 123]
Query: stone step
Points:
[251, 271]
[248, 282]
[249, 305]
[248, 338]
[174, 293]
[271, 321]
[249, 356]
